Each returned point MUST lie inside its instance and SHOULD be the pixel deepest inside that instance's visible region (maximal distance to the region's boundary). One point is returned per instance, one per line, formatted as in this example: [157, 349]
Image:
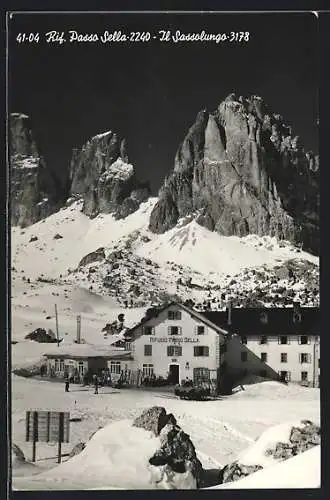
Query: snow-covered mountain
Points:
[197, 241]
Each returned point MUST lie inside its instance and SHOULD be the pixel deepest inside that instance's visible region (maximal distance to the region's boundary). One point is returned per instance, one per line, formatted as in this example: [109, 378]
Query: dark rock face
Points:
[153, 419]
[237, 471]
[240, 171]
[40, 335]
[78, 448]
[35, 192]
[96, 256]
[301, 439]
[177, 452]
[17, 454]
[101, 174]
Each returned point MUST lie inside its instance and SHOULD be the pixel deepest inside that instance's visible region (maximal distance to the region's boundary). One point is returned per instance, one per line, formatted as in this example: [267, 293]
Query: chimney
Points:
[296, 306]
[229, 310]
[78, 329]
[296, 312]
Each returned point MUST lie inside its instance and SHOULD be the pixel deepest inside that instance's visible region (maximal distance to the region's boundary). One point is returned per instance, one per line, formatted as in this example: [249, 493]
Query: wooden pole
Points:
[60, 436]
[56, 319]
[35, 435]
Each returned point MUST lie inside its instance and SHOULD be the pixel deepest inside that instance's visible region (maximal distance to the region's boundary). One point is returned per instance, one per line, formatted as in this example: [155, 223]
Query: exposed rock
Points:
[153, 419]
[301, 439]
[240, 170]
[78, 448]
[177, 453]
[35, 191]
[236, 471]
[33, 238]
[96, 256]
[17, 455]
[57, 236]
[102, 175]
[40, 335]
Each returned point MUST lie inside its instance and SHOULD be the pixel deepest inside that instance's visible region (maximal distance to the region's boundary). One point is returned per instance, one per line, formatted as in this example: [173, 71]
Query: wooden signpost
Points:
[47, 427]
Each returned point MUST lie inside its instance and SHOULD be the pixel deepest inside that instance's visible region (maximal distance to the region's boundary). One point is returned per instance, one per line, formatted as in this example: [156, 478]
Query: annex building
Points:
[178, 343]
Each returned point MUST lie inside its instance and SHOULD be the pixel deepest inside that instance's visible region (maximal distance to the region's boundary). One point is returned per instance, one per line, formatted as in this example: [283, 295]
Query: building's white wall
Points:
[274, 350]
[187, 340]
[70, 365]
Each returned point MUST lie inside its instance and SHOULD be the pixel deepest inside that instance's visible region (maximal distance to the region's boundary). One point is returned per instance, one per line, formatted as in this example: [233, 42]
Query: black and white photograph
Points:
[164, 196]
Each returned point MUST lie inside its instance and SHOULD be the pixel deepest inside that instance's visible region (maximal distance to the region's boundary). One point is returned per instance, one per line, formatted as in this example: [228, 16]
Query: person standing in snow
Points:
[67, 384]
[96, 384]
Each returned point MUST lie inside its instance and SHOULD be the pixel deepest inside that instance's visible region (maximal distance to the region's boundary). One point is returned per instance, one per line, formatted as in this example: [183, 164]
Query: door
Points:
[174, 374]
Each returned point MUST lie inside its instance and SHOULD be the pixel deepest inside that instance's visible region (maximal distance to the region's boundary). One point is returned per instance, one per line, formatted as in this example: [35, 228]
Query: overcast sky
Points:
[151, 92]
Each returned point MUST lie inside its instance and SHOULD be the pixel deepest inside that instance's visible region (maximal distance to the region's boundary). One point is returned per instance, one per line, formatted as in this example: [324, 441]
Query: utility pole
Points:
[56, 319]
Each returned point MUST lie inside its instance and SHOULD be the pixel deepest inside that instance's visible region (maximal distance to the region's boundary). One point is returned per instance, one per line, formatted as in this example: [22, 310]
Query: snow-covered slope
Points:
[138, 268]
[301, 471]
[80, 236]
[206, 251]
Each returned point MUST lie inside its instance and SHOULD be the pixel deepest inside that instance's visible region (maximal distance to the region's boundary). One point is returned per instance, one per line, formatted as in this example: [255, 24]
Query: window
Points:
[264, 318]
[244, 356]
[128, 346]
[264, 357]
[59, 365]
[305, 357]
[174, 330]
[200, 330]
[283, 339]
[201, 375]
[263, 339]
[284, 357]
[285, 376]
[81, 367]
[148, 350]
[174, 350]
[147, 370]
[304, 339]
[304, 376]
[296, 317]
[201, 350]
[263, 373]
[244, 340]
[148, 330]
[115, 367]
[174, 315]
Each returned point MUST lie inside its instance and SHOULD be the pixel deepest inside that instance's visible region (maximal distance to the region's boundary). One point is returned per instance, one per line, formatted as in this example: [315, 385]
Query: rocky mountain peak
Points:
[35, 192]
[21, 137]
[102, 175]
[242, 171]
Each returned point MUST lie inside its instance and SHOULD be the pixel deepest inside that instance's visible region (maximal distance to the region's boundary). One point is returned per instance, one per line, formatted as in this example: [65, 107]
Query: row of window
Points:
[282, 339]
[173, 330]
[304, 357]
[175, 350]
[199, 374]
[286, 375]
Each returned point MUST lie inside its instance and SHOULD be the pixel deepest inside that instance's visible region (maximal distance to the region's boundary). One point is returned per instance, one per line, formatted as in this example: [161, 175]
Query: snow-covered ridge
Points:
[104, 134]
[29, 162]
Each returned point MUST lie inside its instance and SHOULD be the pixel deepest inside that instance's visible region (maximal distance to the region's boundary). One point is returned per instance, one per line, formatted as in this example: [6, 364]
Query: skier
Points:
[96, 384]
